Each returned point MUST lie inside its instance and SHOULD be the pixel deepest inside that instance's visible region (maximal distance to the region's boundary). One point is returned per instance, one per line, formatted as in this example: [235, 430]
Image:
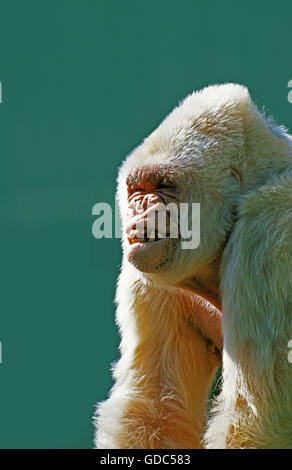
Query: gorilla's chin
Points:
[151, 256]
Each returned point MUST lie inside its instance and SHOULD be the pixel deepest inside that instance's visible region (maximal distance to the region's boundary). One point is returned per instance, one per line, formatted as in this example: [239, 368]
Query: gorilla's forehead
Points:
[208, 110]
[203, 119]
[207, 123]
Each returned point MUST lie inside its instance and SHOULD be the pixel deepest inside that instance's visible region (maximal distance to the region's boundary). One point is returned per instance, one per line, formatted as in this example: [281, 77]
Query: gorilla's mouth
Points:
[155, 237]
[132, 241]
[149, 221]
[150, 255]
[145, 227]
[148, 246]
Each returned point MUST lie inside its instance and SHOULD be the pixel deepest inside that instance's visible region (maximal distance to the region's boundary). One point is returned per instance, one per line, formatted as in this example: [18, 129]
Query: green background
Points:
[83, 83]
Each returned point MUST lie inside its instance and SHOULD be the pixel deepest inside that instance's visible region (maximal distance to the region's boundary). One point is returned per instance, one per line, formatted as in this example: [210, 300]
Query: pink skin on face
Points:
[145, 201]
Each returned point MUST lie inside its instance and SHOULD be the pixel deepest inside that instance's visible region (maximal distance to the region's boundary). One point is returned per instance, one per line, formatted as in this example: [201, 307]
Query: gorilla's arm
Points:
[165, 371]
[255, 406]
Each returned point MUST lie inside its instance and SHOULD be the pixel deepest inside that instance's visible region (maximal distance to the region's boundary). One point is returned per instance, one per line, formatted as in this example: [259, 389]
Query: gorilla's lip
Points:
[147, 250]
[146, 243]
[141, 229]
[147, 240]
[151, 256]
[142, 244]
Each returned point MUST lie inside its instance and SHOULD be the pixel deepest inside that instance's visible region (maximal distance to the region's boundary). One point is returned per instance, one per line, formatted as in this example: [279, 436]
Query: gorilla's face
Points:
[152, 232]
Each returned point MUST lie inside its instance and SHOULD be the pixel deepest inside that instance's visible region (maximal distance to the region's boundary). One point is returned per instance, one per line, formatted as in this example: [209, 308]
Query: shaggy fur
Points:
[220, 151]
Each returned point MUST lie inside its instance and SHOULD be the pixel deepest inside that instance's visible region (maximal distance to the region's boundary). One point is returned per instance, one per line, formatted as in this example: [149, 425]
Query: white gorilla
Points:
[218, 150]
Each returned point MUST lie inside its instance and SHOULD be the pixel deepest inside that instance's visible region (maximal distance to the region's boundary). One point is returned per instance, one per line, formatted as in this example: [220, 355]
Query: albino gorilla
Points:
[218, 150]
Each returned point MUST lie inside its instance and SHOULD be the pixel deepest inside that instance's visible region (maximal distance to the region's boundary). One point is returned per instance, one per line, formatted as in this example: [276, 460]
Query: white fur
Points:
[244, 257]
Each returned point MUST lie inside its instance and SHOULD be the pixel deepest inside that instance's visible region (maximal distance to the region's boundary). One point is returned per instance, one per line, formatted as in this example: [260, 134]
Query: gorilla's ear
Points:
[257, 281]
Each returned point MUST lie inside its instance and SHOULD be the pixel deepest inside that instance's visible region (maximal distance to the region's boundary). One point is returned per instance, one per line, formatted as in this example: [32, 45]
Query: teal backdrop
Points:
[83, 82]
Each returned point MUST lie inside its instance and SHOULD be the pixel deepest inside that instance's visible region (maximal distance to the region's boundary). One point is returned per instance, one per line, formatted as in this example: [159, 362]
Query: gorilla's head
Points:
[211, 150]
